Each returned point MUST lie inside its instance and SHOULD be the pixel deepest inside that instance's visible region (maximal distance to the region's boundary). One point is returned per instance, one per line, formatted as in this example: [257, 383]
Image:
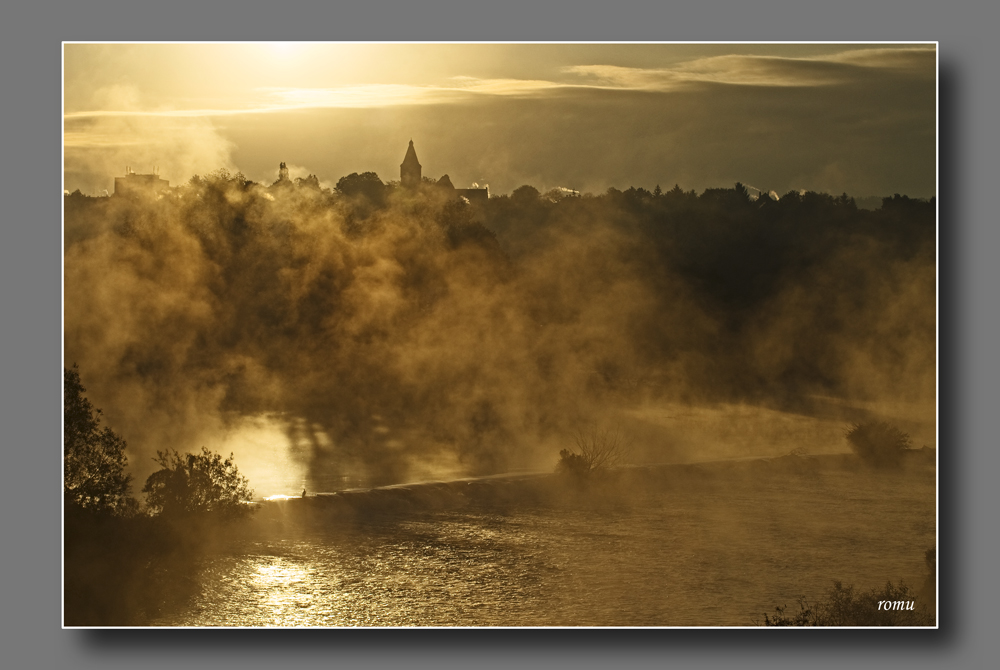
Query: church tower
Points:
[409, 170]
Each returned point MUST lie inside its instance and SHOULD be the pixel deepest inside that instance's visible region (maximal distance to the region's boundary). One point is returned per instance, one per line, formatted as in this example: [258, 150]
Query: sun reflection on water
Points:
[286, 592]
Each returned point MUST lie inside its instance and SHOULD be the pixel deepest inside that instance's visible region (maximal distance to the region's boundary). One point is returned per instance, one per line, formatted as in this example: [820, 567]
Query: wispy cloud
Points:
[746, 70]
[908, 58]
[506, 87]
[735, 70]
[373, 95]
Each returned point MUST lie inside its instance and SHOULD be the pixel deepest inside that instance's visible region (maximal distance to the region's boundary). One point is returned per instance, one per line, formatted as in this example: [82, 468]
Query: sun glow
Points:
[265, 455]
[285, 49]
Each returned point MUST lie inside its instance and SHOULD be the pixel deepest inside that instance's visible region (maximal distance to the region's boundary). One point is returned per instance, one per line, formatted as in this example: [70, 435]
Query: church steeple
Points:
[409, 169]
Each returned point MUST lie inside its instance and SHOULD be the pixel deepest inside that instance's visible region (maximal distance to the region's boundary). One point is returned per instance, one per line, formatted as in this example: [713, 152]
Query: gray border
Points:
[30, 175]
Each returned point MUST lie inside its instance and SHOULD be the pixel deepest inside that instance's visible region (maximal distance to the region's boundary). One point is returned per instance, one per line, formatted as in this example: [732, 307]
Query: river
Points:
[703, 545]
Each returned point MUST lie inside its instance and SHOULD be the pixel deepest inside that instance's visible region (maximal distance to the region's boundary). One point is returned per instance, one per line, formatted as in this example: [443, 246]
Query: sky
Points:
[834, 118]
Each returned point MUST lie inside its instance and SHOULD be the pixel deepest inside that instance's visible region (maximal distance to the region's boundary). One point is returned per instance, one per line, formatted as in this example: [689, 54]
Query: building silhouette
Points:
[134, 185]
[410, 176]
[409, 169]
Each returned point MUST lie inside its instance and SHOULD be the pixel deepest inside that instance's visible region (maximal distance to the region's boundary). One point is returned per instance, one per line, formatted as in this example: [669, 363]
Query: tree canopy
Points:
[366, 184]
[878, 443]
[94, 460]
[197, 483]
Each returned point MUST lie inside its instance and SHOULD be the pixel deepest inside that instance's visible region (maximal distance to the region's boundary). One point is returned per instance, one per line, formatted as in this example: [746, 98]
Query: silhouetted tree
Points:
[572, 464]
[525, 194]
[312, 181]
[366, 184]
[677, 195]
[878, 443]
[94, 460]
[197, 483]
[600, 449]
[742, 194]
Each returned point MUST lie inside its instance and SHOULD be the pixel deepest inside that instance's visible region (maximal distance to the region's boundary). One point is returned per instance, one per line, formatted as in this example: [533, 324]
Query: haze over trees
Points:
[392, 326]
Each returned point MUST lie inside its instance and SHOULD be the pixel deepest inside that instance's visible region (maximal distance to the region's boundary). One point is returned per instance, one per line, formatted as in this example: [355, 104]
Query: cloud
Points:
[275, 99]
[505, 86]
[742, 70]
[746, 70]
[733, 70]
[908, 58]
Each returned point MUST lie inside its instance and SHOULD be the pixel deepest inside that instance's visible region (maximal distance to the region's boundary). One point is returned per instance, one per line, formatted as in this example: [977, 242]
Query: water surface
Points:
[699, 546]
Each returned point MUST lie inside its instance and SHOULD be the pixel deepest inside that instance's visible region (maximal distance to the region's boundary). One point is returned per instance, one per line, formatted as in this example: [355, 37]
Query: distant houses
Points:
[134, 185]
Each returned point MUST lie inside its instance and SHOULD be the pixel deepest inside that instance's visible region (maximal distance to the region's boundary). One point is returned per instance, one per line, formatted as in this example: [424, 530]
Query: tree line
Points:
[473, 325]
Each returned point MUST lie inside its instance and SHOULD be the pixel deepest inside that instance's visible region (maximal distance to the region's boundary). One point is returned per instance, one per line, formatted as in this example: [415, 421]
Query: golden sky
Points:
[858, 118]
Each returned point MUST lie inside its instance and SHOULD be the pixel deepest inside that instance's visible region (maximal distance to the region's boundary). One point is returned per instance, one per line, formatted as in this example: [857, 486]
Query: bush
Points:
[878, 443]
[890, 606]
[192, 484]
[572, 464]
[599, 450]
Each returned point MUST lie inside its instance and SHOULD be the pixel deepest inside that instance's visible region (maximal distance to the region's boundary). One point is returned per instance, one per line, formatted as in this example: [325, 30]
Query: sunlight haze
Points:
[824, 117]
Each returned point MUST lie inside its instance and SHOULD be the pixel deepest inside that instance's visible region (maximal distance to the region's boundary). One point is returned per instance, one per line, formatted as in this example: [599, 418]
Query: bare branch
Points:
[602, 448]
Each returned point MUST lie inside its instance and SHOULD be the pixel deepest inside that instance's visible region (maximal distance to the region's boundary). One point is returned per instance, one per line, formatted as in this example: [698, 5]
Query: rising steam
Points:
[384, 339]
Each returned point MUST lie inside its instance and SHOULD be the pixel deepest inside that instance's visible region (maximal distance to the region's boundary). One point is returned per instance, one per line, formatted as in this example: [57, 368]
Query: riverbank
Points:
[617, 487]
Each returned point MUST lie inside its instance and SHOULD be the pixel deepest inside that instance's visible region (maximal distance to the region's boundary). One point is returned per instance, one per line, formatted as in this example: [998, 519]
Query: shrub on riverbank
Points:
[878, 443]
[892, 605]
[600, 450]
[202, 483]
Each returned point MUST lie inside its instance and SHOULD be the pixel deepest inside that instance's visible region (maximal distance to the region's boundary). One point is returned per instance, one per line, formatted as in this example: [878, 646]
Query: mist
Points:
[336, 339]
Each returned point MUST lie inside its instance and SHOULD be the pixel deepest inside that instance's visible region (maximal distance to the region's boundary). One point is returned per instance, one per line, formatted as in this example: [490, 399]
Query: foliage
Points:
[94, 460]
[197, 484]
[221, 180]
[572, 464]
[312, 181]
[878, 443]
[928, 591]
[366, 184]
[600, 449]
[525, 193]
[846, 607]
